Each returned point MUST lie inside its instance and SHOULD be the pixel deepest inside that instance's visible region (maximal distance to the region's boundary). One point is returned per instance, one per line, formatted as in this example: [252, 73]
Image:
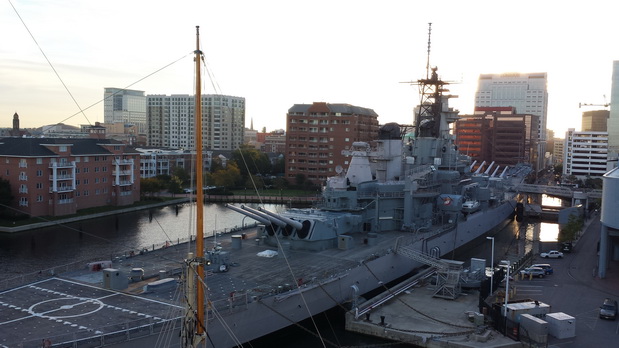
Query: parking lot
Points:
[575, 289]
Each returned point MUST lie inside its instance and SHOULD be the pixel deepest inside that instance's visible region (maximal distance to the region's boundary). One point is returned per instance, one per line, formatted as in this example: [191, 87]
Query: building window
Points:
[85, 181]
[23, 188]
[39, 173]
[23, 201]
[23, 163]
[85, 192]
[23, 176]
[39, 198]
[39, 185]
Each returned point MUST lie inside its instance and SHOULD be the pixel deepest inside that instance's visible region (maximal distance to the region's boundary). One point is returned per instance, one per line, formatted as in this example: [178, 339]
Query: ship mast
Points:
[199, 190]
[194, 329]
[428, 119]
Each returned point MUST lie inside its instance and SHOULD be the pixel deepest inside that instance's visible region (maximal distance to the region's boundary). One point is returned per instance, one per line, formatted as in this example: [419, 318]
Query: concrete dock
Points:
[416, 317]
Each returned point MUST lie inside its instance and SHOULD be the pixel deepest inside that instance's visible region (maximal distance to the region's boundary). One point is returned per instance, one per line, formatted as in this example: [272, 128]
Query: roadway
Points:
[575, 289]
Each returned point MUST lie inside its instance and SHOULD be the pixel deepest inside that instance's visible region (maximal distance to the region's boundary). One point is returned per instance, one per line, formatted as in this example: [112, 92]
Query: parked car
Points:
[546, 267]
[534, 271]
[470, 206]
[553, 254]
[608, 309]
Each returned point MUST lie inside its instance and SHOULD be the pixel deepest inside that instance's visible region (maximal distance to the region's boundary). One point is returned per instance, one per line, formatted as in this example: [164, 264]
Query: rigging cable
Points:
[216, 87]
[50, 63]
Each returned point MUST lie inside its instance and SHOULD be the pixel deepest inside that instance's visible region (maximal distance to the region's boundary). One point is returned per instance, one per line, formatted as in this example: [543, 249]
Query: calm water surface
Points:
[101, 238]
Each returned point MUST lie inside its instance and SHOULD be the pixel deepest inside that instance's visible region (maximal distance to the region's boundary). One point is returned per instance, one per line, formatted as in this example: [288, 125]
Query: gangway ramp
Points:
[448, 271]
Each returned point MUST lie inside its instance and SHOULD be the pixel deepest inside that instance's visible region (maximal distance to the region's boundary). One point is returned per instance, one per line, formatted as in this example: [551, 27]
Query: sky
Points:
[279, 53]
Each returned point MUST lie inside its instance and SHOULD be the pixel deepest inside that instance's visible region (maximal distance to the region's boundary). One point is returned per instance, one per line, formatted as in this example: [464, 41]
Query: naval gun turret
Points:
[303, 229]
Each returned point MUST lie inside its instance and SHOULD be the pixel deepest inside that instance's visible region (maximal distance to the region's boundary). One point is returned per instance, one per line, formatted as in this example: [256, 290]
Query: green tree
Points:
[182, 174]
[280, 183]
[279, 167]
[175, 185]
[5, 195]
[570, 231]
[150, 186]
[299, 180]
[227, 177]
[251, 161]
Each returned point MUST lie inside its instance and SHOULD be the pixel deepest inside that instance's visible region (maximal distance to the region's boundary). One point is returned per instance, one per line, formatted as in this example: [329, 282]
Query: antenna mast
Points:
[429, 43]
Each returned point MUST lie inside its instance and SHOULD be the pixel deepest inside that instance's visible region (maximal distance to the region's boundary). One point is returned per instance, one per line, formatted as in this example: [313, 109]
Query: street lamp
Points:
[491, 265]
[506, 293]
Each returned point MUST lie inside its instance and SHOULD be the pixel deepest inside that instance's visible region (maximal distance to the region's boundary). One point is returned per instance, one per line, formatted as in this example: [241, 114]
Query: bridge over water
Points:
[559, 191]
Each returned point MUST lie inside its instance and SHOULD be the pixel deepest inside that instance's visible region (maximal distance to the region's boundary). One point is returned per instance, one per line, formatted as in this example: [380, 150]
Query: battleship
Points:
[405, 198]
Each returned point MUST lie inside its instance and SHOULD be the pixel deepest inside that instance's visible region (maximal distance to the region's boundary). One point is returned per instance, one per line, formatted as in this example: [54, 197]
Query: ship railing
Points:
[237, 301]
[373, 194]
[47, 273]
[113, 334]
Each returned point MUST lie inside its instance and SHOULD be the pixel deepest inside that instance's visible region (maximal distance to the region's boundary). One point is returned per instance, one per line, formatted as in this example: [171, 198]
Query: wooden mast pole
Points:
[199, 192]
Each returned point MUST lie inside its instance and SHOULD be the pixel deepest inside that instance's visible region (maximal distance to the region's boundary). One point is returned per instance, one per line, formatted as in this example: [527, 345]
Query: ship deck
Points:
[61, 310]
[75, 306]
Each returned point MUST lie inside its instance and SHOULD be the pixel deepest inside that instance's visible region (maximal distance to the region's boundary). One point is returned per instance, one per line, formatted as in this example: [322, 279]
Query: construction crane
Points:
[606, 104]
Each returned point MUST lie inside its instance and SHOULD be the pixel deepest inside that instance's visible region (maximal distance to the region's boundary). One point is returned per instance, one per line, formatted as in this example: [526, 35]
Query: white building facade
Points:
[527, 92]
[613, 118]
[171, 121]
[125, 106]
[585, 154]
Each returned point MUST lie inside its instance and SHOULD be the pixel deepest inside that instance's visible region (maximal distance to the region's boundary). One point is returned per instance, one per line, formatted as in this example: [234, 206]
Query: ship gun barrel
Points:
[296, 224]
[248, 214]
[272, 219]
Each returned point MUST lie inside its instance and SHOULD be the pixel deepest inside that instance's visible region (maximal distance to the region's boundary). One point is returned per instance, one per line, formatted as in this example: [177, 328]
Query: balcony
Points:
[62, 177]
[62, 189]
[123, 183]
[122, 172]
[61, 165]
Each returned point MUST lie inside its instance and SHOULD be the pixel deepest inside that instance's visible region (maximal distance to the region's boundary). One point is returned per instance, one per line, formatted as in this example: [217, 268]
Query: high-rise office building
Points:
[526, 92]
[595, 121]
[125, 106]
[498, 134]
[171, 121]
[613, 118]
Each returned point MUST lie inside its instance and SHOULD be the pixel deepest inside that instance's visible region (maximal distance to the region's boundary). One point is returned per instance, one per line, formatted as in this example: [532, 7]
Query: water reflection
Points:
[30, 251]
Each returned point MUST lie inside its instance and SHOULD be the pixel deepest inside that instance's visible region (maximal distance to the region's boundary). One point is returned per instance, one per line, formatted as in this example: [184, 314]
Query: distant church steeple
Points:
[16, 123]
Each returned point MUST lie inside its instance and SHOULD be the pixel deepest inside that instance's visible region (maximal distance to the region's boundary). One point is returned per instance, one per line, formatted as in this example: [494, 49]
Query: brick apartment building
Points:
[55, 176]
[498, 134]
[317, 133]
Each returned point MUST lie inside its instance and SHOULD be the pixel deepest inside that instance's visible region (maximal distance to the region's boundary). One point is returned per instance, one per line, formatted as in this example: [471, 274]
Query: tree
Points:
[182, 174]
[175, 185]
[150, 186]
[569, 232]
[5, 195]
[226, 177]
[299, 179]
[251, 161]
